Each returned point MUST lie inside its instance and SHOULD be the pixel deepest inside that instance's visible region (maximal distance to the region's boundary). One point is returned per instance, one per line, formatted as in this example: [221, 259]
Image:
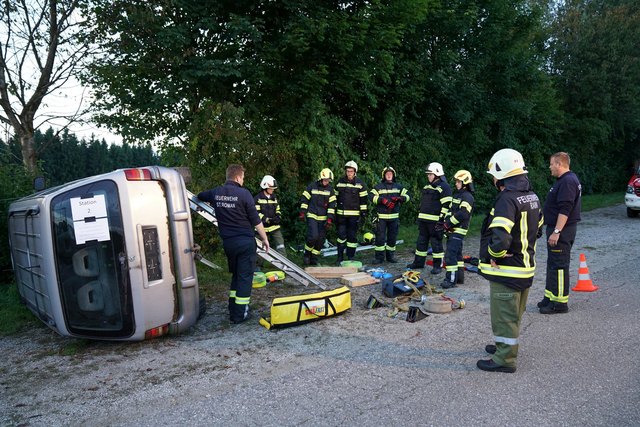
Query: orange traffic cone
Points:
[584, 279]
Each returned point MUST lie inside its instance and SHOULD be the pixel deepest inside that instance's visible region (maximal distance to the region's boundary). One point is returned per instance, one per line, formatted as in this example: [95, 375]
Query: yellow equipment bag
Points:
[299, 309]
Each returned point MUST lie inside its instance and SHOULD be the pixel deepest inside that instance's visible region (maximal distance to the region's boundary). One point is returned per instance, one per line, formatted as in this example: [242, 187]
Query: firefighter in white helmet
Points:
[456, 224]
[507, 255]
[318, 206]
[434, 207]
[268, 209]
[351, 210]
[387, 196]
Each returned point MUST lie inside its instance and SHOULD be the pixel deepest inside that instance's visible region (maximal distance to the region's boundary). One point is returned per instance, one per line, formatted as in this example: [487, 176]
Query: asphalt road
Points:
[364, 368]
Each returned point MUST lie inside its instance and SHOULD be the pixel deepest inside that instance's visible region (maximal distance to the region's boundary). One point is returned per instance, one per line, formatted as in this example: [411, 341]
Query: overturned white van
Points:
[108, 257]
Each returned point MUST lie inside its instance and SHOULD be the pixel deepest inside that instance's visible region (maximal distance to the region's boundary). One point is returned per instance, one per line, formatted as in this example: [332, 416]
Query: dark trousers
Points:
[241, 257]
[453, 255]
[427, 233]
[558, 263]
[316, 234]
[347, 234]
[386, 235]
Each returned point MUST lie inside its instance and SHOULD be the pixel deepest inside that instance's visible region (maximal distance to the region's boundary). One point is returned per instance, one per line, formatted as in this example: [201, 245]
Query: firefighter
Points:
[456, 225]
[269, 211]
[507, 255]
[351, 210]
[434, 207]
[318, 206]
[387, 196]
[237, 217]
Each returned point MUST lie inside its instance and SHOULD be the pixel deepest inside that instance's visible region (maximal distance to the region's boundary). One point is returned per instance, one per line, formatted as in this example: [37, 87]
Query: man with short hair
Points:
[561, 215]
[237, 217]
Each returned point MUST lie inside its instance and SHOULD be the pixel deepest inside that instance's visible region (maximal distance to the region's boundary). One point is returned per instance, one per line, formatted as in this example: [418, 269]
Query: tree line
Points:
[292, 86]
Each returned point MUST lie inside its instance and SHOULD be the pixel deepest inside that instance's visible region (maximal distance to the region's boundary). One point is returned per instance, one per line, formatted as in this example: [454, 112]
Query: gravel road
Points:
[575, 369]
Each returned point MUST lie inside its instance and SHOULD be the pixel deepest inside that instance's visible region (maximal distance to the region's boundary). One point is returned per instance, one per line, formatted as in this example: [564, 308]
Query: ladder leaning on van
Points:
[275, 258]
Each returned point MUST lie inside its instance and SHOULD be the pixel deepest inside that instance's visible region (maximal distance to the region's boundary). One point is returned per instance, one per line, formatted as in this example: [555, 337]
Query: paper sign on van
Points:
[90, 219]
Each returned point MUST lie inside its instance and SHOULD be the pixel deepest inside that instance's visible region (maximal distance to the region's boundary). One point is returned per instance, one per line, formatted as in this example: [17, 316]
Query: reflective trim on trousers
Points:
[508, 341]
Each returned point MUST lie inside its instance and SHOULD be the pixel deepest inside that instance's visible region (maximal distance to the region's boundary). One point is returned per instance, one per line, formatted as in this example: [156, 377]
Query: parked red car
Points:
[632, 198]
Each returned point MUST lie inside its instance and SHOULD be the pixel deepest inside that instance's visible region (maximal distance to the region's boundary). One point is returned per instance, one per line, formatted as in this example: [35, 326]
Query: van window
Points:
[91, 261]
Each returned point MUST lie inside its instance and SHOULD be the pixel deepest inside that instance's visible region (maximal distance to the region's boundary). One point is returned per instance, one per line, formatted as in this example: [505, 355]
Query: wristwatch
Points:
[556, 231]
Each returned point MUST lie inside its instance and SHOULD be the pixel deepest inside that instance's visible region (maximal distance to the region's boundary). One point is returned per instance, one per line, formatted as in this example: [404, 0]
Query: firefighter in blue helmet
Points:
[387, 196]
[237, 217]
[318, 206]
[507, 255]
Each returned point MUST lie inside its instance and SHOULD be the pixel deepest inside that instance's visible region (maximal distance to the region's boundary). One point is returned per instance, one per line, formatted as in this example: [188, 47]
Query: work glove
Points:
[397, 199]
[266, 220]
[301, 217]
[275, 220]
[384, 201]
[391, 205]
[448, 228]
[439, 226]
[327, 224]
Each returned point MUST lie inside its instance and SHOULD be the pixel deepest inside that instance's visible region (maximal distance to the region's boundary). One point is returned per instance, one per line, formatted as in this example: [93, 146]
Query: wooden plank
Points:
[330, 272]
[345, 280]
[363, 281]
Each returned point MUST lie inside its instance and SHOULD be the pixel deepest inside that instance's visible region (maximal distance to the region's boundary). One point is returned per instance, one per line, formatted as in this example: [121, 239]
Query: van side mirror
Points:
[39, 183]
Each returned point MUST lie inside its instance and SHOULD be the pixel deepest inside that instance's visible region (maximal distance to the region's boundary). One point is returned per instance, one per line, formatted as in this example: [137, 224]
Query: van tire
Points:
[631, 213]
[202, 308]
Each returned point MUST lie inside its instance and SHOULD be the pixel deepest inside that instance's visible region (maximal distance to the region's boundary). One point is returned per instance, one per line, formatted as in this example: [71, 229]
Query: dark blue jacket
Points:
[565, 197]
[235, 210]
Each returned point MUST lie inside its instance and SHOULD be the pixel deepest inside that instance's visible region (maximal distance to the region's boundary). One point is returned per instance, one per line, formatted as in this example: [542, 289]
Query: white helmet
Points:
[351, 164]
[268, 182]
[506, 163]
[435, 168]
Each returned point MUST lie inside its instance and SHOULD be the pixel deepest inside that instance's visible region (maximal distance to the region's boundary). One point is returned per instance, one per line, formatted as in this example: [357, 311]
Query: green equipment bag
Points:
[299, 309]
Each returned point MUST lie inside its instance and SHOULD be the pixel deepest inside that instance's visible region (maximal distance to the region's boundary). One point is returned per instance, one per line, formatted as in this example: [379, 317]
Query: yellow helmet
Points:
[368, 238]
[387, 169]
[463, 176]
[326, 174]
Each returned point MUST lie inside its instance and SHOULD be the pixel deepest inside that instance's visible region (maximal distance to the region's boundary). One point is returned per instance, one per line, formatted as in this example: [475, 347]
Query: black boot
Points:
[391, 257]
[418, 263]
[460, 276]
[449, 280]
[379, 259]
[554, 308]
[306, 259]
[313, 260]
[340, 257]
[437, 266]
[545, 302]
[239, 313]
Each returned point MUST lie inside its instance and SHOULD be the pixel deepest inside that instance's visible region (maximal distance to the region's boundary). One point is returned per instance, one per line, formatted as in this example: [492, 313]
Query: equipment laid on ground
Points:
[435, 304]
[330, 272]
[300, 309]
[259, 280]
[358, 279]
[416, 313]
[374, 302]
[273, 276]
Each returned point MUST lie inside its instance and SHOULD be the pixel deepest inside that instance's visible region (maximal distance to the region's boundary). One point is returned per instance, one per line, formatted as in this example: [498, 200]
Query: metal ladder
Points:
[278, 260]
